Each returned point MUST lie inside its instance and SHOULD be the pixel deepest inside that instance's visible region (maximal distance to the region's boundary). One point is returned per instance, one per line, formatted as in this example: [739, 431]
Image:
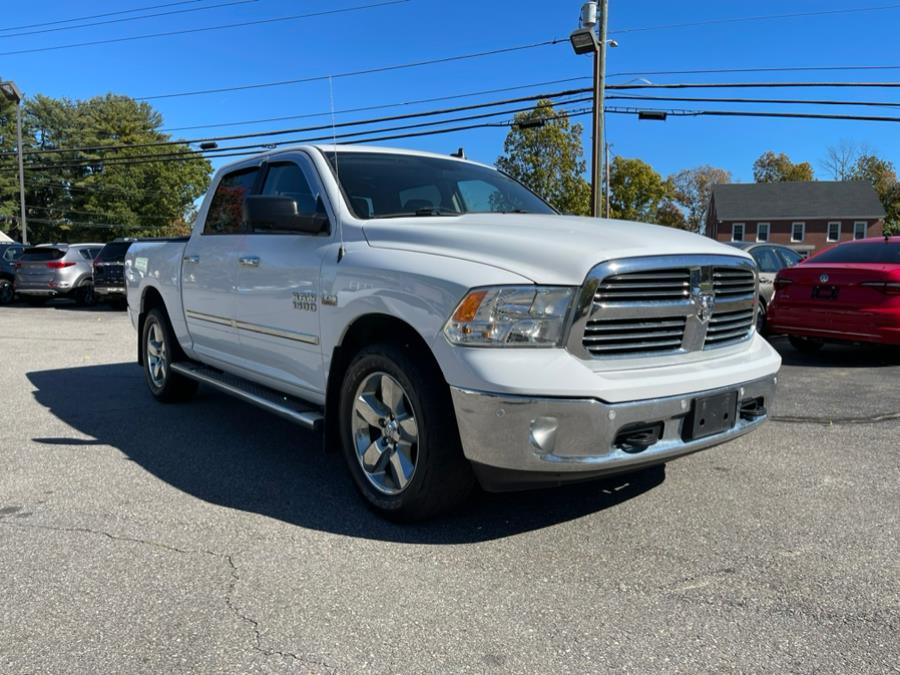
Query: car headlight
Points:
[511, 316]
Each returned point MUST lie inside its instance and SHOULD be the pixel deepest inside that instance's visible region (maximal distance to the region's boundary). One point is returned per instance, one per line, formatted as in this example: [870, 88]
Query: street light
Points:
[585, 40]
[12, 93]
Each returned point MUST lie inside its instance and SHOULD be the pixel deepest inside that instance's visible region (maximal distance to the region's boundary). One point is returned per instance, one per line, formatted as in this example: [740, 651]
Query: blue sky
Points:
[425, 29]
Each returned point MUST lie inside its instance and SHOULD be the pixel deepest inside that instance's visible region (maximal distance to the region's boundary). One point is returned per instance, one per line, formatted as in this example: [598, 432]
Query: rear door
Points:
[277, 313]
[209, 268]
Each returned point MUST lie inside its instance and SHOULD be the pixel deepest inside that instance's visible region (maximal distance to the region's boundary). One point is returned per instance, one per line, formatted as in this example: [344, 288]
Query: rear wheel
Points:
[159, 347]
[85, 296]
[399, 435]
[805, 345]
[7, 294]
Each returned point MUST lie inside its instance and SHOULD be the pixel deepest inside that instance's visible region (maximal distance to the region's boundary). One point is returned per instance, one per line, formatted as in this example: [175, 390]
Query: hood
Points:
[558, 250]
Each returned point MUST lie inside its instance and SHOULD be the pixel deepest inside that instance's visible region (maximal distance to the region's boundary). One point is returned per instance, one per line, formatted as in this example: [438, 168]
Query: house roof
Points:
[812, 200]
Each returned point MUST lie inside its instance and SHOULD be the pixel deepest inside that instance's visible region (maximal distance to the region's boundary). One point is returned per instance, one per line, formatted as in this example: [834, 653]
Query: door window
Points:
[226, 212]
[286, 179]
[766, 260]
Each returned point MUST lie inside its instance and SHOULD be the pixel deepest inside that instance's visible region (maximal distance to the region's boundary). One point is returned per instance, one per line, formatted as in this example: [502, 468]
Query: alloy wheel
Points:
[157, 359]
[385, 433]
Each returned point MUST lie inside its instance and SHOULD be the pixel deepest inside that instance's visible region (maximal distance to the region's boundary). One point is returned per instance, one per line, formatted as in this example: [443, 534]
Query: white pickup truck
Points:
[449, 326]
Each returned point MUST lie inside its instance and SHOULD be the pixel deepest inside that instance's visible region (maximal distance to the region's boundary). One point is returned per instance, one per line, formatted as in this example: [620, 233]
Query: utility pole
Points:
[607, 180]
[12, 93]
[585, 40]
[599, 100]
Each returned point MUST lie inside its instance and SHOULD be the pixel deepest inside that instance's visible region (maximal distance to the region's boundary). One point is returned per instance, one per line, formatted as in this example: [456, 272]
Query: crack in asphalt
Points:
[232, 586]
[835, 421]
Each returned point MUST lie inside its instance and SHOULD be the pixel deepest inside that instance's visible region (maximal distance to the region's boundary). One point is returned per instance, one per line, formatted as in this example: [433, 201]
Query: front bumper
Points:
[518, 442]
[109, 290]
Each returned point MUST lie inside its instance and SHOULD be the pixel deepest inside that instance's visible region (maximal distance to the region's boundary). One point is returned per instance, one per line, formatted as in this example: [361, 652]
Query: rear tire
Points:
[85, 296]
[159, 347]
[7, 294]
[805, 345]
[400, 437]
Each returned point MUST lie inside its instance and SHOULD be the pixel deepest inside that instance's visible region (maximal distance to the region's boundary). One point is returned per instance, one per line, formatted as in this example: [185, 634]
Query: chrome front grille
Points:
[655, 306]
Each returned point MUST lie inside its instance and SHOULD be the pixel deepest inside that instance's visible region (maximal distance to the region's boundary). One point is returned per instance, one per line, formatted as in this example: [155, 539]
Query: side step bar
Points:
[288, 407]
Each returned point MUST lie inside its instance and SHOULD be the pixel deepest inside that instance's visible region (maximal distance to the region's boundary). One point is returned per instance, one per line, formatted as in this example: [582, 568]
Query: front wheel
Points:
[85, 296]
[158, 348]
[399, 435]
[7, 293]
[805, 345]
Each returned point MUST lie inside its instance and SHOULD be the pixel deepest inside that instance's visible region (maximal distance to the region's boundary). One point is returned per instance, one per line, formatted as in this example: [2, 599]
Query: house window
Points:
[834, 231]
[737, 232]
[860, 229]
[798, 231]
[762, 232]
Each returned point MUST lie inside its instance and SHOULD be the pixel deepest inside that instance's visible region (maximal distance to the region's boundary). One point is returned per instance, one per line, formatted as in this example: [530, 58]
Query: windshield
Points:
[381, 185]
[874, 252]
[114, 251]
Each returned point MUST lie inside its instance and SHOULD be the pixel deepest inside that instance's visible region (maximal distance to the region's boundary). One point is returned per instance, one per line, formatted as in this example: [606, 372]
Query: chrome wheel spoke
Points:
[409, 428]
[401, 468]
[391, 393]
[371, 410]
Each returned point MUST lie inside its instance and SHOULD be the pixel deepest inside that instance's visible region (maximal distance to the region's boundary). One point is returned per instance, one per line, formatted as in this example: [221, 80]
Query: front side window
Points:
[834, 231]
[737, 232]
[860, 230]
[226, 212]
[286, 179]
[387, 185]
[798, 231]
[762, 232]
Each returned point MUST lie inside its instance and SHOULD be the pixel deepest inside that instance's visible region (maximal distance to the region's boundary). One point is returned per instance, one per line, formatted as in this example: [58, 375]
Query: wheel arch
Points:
[369, 329]
[151, 298]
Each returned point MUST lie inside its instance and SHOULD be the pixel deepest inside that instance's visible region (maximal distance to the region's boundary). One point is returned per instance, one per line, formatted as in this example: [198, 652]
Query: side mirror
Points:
[280, 215]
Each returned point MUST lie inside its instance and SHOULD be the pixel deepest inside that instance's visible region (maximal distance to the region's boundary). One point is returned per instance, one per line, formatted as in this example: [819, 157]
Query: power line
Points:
[186, 31]
[98, 226]
[87, 213]
[745, 85]
[354, 73]
[129, 18]
[100, 16]
[790, 101]
[281, 132]
[769, 69]
[742, 19]
[383, 106]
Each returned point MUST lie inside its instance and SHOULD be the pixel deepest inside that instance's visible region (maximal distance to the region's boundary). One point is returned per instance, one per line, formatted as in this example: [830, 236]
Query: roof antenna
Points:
[461, 153]
[337, 170]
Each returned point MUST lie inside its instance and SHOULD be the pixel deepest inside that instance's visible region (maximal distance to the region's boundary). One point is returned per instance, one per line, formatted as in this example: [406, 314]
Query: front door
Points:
[209, 269]
[277, 311]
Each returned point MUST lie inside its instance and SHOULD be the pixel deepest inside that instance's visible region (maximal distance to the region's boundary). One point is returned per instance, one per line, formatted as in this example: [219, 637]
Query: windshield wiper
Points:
[420, 213]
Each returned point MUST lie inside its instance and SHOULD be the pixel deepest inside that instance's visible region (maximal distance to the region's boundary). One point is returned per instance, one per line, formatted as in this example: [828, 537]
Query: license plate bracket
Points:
[825, 292]
[711, 415]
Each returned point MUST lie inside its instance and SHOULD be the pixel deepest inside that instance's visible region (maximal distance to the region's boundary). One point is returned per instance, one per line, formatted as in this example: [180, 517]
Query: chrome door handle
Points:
[249, 261]
[193, 259]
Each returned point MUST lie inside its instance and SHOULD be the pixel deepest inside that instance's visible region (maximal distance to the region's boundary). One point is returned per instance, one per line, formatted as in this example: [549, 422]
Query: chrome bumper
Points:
[520, 441]
[109, 290]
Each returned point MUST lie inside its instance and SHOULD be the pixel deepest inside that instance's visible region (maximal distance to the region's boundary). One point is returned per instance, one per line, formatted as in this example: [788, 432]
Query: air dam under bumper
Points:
[519, 442]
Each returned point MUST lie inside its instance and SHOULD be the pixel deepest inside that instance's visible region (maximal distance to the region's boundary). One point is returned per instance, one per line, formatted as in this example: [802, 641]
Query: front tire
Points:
[85, 296]
[399, 435]
[805, 345]
[159, 346]
[7, 293]
[761, 317]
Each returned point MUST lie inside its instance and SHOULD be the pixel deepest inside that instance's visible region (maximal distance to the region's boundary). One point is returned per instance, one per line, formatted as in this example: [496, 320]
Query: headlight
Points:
[517, 316]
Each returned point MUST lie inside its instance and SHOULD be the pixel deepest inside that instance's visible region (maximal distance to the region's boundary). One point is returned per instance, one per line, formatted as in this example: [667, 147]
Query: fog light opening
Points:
[638, 437]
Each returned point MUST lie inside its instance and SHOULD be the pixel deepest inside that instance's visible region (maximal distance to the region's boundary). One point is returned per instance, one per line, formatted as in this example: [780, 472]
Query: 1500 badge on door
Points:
[306, 301]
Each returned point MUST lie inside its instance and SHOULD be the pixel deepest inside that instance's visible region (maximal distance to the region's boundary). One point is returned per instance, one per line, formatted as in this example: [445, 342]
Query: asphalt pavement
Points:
[213, 537]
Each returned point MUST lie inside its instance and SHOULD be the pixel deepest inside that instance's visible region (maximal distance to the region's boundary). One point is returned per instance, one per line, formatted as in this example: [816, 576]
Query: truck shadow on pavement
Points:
[838, 355]
[228, 453]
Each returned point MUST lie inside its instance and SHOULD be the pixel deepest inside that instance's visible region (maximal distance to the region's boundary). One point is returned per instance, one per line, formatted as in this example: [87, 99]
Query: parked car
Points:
[9, 254]
[445, 325]
[109, 267]
[770, 260]
[847, 293]
[56, 270]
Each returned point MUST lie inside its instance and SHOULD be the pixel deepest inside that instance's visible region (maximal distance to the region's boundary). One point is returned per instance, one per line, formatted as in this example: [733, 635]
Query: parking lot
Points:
[213, 537]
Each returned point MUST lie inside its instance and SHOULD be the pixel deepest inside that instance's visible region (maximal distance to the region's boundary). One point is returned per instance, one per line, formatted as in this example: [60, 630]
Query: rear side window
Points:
[42, 253]
[789, 257]
[878, 252]
[114, 251]
[226, 212]
[13, 253]
[89, 253]
[768, 262]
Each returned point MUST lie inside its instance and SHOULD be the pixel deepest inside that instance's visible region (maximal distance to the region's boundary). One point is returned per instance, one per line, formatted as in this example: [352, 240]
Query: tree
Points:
[670, 213]
[772, 168]
[543, 151]
[880, 173]
[636, 190]
[90, 194]
[840, 159]
[692, 190]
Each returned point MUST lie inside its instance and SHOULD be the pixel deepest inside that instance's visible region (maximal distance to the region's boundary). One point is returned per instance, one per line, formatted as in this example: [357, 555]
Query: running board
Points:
[290, 408]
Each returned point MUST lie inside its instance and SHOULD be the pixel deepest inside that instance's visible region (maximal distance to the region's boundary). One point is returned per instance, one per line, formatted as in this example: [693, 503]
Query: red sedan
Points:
[847, 293]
